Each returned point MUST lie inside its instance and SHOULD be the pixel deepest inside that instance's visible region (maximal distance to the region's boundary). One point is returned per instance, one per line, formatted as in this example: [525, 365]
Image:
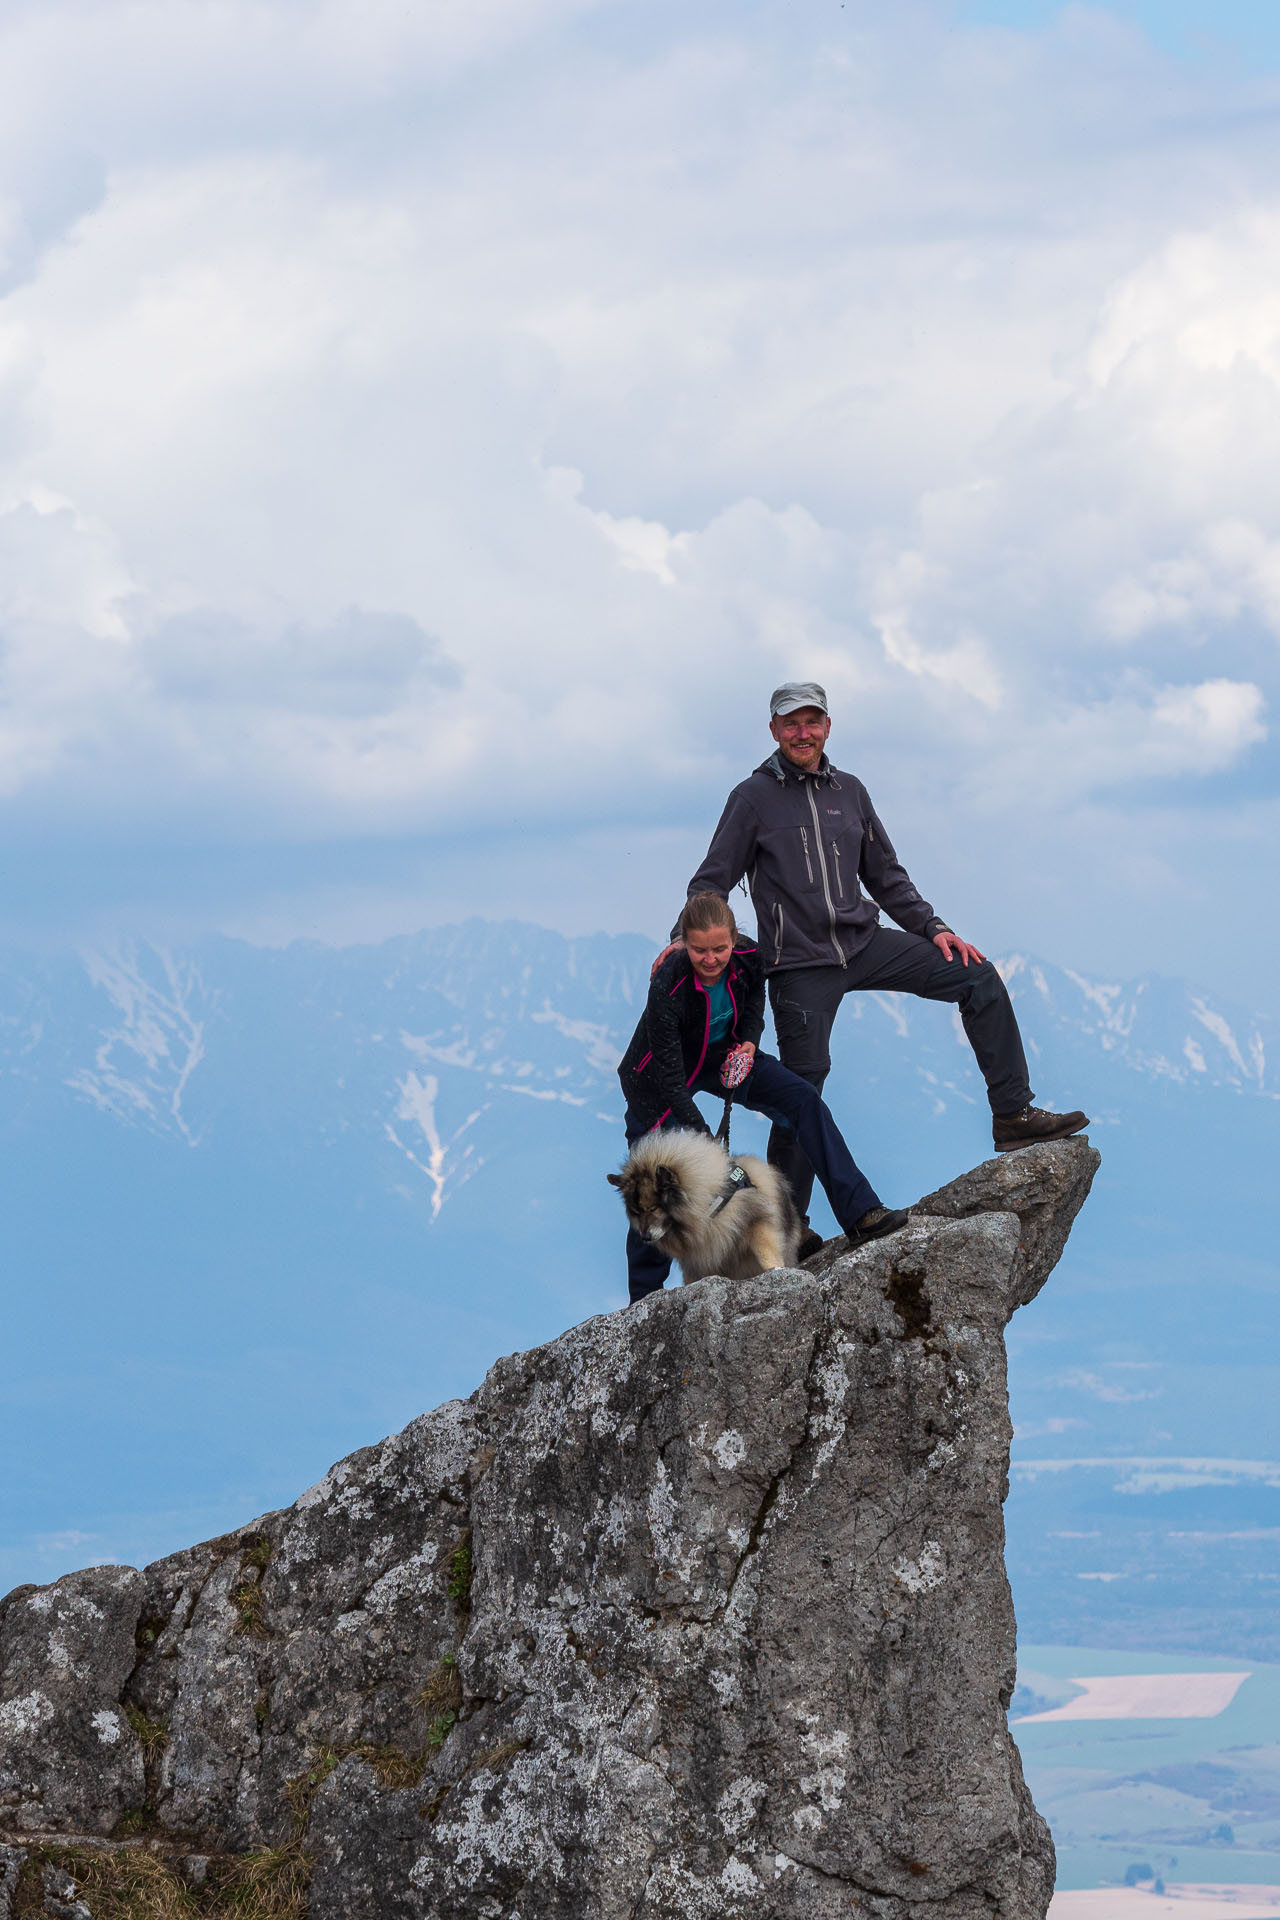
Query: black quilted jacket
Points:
[671, 1045]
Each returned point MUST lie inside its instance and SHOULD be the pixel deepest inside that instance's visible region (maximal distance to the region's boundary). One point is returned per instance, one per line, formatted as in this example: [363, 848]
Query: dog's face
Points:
[651, 1196]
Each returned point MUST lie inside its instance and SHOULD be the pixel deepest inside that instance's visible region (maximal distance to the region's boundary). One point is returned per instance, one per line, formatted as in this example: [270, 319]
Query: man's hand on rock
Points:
[951, 946]
[673, 948]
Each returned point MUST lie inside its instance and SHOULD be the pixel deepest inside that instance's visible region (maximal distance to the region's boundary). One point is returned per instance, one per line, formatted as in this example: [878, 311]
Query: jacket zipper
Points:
[826, 884]
[777, 934]
[808, 864]
[706, 1034]
[835, 848]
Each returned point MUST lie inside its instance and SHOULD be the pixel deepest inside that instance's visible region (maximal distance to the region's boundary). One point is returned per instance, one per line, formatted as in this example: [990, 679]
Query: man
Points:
[809, 841]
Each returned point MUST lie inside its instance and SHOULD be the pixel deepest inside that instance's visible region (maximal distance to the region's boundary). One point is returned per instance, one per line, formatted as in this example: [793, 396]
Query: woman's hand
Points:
[737, 1065]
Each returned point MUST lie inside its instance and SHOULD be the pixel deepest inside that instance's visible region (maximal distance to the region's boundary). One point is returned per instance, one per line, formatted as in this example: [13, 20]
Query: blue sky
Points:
[429, 433]
[1186, 28]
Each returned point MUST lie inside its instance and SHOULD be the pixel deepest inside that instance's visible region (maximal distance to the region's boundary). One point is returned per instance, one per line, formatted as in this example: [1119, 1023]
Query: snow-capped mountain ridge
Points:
[1166, 1029]
[430, 1042]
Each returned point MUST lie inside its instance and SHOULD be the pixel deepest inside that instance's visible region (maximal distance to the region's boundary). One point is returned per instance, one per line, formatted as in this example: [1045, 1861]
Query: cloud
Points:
[1113, 1392]
[362, 662]
[1206, 728]
[456, 419]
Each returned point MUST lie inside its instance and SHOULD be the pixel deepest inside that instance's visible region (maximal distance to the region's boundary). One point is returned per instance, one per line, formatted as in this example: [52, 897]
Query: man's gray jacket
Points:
[808, 845]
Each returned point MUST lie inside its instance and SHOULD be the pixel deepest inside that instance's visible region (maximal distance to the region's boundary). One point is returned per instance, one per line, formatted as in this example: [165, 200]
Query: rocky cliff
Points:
[697, 1612]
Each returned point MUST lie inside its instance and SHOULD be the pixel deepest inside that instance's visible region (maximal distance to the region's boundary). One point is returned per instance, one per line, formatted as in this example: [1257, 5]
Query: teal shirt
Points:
[721, 1007]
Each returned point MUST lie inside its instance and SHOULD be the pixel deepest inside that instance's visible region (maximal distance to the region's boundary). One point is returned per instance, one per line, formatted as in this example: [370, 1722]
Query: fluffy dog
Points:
[679, 1193]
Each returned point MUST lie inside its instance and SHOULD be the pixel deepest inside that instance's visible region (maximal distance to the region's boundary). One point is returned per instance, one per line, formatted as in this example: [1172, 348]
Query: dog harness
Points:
[735, 1183]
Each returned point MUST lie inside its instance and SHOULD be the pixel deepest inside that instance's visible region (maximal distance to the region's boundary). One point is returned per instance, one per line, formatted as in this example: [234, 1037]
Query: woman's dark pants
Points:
[789, 1102]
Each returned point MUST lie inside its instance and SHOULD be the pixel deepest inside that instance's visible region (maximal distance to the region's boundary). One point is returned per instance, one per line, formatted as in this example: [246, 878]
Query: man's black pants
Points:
[805, 1000]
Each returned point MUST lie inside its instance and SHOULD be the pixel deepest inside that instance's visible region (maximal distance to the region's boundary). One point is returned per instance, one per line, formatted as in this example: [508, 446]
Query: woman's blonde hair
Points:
[706, 911]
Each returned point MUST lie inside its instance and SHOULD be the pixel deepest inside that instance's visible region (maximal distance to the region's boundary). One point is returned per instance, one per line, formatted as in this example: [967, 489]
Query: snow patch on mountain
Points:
[1252, 1069]
[441, 1166]
[599, 1042]
[143, 1065]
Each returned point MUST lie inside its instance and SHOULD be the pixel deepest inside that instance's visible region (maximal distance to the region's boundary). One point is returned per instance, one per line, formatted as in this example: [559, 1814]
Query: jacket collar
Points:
[782, 770]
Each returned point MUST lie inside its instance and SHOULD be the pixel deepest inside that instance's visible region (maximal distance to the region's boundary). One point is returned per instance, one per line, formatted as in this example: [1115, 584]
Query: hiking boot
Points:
[811, 1243]
[1029, 1124]
[875, 1224]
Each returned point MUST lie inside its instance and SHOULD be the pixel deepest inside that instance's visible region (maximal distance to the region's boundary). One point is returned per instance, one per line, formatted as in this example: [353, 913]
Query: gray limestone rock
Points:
[11, 1859]
[69, 1758]
[697, 1613]
[1045, 1185]
[61, 1897]
[306, 1637]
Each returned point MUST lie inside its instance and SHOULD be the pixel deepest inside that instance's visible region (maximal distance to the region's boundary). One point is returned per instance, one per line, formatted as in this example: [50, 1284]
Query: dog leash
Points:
[737, 1178]
[737, 1065]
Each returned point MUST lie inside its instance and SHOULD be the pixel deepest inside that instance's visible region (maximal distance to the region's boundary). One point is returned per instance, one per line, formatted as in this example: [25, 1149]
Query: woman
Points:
[706, 998]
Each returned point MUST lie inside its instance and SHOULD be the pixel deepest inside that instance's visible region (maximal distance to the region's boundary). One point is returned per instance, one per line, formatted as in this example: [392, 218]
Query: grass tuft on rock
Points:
[493, 1760]
[460, 1571]
[273, 1883]
[132, 1823]
[136, 1883]
[302, 1790]
[439, 1730]
[496, 1758]
[153, 1735]
[442, 1692]
[249, 1603]
[248, 1598]
[393, 1766]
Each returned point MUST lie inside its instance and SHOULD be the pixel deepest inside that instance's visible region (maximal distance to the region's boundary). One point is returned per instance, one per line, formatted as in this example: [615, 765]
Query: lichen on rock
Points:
[698, 1611]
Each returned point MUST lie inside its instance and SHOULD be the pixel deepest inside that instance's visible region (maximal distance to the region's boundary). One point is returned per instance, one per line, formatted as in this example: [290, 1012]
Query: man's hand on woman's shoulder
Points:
[674, 947]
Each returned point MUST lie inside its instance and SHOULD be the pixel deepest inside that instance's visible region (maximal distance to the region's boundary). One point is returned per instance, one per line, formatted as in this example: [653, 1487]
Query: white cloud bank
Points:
[418, 420]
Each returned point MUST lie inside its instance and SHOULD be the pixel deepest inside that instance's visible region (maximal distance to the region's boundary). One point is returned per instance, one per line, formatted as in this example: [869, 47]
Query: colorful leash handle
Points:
[737, 1065]
[734, 1069]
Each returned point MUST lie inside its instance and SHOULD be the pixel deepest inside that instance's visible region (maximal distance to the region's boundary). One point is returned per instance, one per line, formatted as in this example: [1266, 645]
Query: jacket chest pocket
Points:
[789, 864]
[805, 866]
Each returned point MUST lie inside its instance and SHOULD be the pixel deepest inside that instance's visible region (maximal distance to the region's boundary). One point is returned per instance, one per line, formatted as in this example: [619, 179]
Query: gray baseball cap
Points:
[797, 693]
